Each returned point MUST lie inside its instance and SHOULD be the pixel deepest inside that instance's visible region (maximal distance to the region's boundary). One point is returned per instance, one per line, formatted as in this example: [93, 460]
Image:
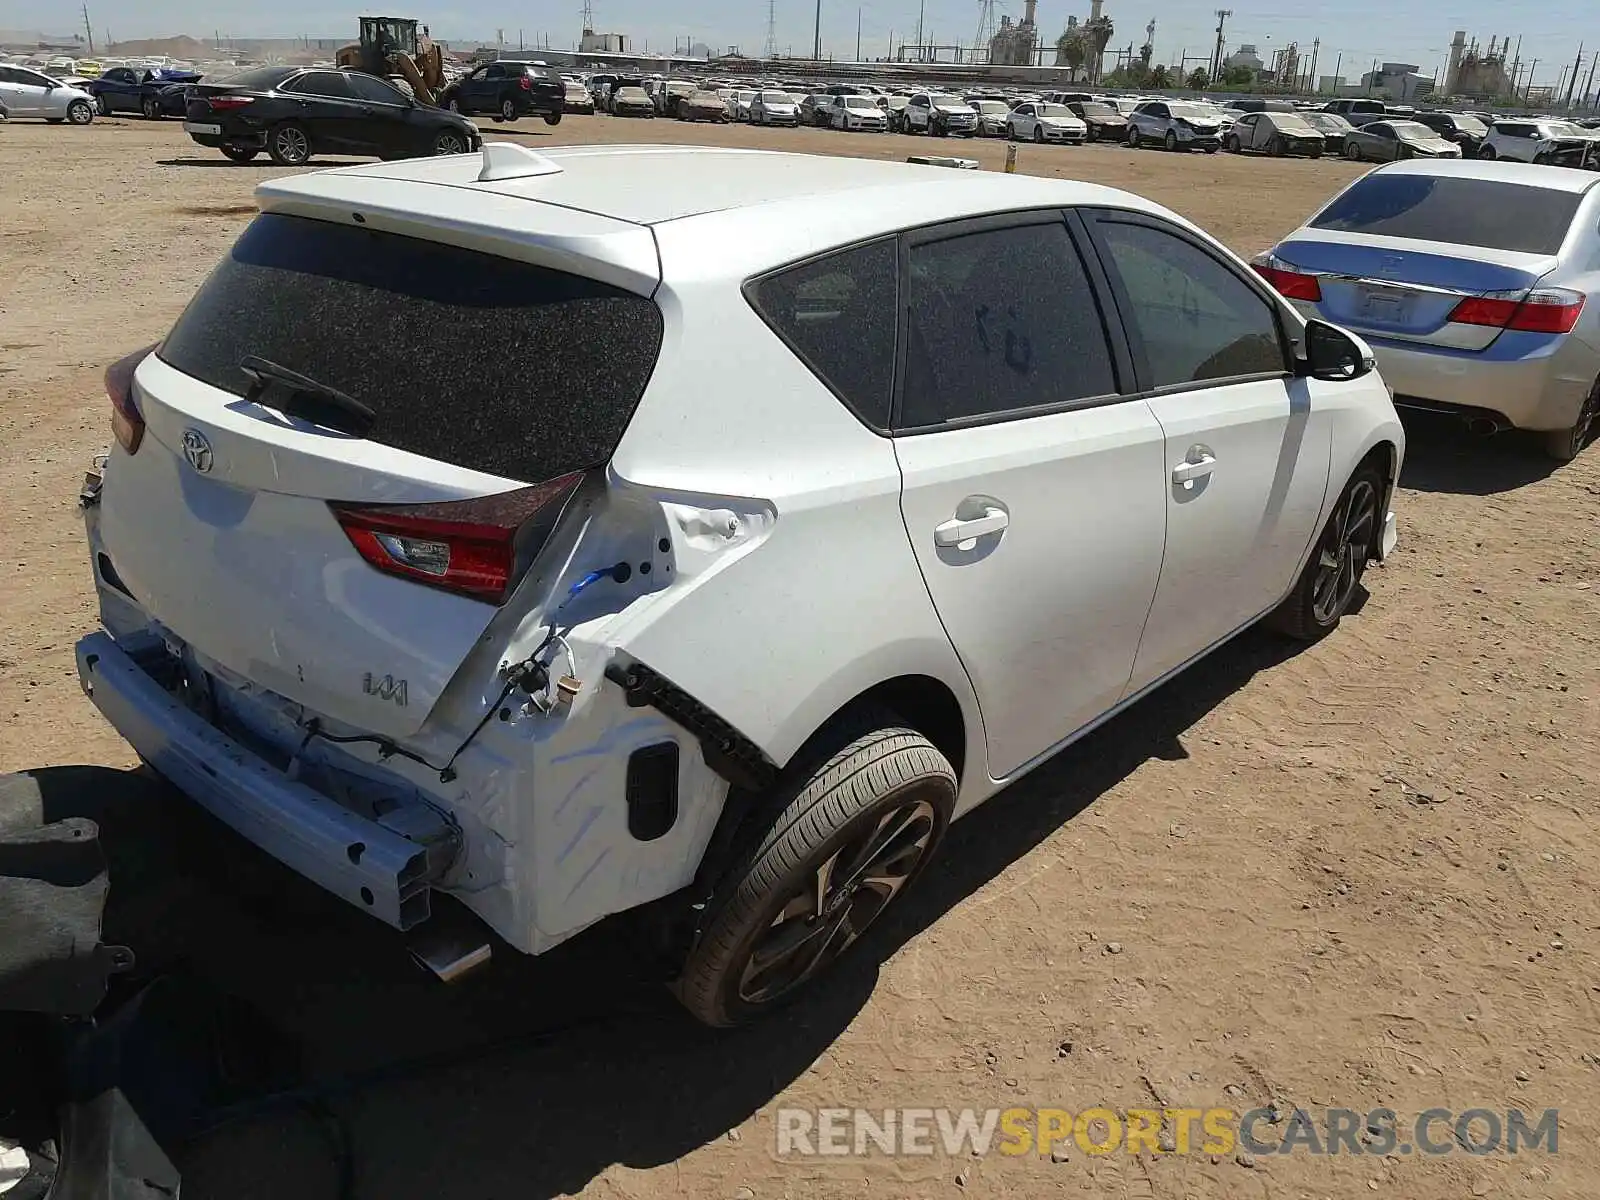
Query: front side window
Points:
[1197, 320]
[1000, 321]
[375, 90]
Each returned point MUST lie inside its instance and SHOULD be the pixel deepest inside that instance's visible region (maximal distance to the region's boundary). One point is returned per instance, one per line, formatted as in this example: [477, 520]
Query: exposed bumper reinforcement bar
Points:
[357, 859]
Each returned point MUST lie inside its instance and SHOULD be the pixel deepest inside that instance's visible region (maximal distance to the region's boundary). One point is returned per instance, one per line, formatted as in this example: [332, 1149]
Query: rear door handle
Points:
[1186, 473]
[954, 532]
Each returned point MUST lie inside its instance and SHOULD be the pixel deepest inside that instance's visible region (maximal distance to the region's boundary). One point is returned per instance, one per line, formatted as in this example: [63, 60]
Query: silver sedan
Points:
[1467, 312]
[28, 93]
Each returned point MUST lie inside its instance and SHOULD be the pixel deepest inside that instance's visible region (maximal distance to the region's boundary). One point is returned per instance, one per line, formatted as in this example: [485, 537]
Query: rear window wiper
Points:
[307, 399]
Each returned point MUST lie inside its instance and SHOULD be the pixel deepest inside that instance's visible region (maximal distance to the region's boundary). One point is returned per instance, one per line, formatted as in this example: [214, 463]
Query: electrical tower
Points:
[771, 48]
[588, 16]
[980, 40]
[1217, 59]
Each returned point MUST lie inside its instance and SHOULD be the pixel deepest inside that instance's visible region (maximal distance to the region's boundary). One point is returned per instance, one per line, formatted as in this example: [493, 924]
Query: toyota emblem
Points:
[197, 450]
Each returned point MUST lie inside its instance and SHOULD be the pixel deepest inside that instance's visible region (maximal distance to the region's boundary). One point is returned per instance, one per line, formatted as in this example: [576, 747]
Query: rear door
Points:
[490, 381]
[327, 106]
[1032, 493]
[1246, 464]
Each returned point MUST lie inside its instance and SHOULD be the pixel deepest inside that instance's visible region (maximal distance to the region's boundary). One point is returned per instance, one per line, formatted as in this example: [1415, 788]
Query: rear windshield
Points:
[494, 365]
[256, 77]
[1465, 212]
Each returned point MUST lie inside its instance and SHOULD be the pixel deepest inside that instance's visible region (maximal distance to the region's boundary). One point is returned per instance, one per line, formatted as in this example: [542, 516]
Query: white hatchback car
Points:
[581, 620]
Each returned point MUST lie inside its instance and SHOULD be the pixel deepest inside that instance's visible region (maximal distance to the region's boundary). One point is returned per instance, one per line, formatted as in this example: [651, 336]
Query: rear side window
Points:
[1001, 322]
[837, 314]
[473, 359]
[1464, 212]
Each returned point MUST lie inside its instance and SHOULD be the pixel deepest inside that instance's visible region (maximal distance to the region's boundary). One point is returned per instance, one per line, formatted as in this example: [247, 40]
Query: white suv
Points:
[578, 532]
[1535, 142]
[939, 114]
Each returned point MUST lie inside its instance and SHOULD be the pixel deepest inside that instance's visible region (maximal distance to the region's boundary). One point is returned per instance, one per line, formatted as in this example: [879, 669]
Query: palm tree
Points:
[1099, 34]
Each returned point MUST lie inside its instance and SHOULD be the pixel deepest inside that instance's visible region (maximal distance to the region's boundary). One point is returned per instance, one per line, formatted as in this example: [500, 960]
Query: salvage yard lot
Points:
[1361, 876]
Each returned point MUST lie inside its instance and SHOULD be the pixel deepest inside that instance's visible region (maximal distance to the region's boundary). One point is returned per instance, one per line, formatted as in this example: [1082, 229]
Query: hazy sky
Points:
[1407, 31]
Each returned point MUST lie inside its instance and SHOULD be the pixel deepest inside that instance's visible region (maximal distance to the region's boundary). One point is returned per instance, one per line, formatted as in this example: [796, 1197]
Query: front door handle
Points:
[1185, 473]
[954, 532]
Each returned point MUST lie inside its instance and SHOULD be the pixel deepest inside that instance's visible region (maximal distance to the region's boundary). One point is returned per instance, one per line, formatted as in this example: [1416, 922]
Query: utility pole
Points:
[87, 28]
[1588, 83]
[858, 34]
[1338, 65]
[1311, 75]
[816, 47]
[922, 10]
[1573, 82]
[1372, 77]
[1527, 91]
[1216, 60]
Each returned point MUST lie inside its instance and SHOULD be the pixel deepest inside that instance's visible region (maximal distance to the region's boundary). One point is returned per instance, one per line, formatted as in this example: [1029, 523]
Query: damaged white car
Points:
[578, 532]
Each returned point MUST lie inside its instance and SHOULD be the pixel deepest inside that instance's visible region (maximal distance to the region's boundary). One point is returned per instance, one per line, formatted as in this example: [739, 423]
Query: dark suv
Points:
[1466, 132]
[508, 90]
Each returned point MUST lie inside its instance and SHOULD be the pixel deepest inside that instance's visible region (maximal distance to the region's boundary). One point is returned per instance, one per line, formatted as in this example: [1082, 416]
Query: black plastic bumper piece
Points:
[727, 751]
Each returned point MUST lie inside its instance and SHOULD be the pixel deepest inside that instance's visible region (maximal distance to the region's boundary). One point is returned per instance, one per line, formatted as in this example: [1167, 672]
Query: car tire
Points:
[1133, 139]
[1338, 560]
[1170, 142]
[1038, 135]
[508, 110]
[240, 154]
[102, 106]
[1276, 147]
[1487, 153]
[80, 112]
[150, 107]
[1093, 135]
[552, 118]
[289, 145]
[1233, 146]
[1564, 445]
[1316, 152]
[450, 141]
[1352, 152]
[866, 792]
[455, 106]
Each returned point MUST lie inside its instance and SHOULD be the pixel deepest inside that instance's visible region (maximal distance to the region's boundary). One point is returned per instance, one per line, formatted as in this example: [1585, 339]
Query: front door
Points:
[1030, 484]
[331, 114]
[1247, 460]
[389, 116]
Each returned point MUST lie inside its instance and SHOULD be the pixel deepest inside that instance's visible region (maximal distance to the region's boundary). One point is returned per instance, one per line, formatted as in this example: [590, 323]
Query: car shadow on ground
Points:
[538, 1074]
[1441, 456]
[263, 161]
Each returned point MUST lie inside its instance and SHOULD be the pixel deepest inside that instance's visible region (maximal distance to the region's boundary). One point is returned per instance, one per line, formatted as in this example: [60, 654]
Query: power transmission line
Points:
[771, 48]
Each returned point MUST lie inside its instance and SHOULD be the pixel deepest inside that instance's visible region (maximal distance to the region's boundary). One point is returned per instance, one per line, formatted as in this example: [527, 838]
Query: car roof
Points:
[1558, 179]
[654, 184]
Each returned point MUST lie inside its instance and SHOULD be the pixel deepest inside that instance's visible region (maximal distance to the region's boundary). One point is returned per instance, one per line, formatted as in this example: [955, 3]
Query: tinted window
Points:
[1196, 318]
[838, 314]
[1466, 212]
[370, 87]
[1001, 321]
[259, 77]
[321, 83]
[477, 360]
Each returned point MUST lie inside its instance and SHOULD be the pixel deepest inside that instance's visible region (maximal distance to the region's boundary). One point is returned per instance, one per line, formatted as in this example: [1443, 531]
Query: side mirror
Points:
[1334, 355]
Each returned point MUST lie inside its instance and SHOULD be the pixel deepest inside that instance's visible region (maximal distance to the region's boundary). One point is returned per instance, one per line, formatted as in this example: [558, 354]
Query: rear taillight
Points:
[1287, 279]
[127, 425]
[527, 84]
[1543, 310]
[478, 547]
[224, 103]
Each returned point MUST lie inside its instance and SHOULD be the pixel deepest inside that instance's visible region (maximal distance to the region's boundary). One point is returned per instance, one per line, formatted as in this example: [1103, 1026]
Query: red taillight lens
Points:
[223, 103]
[476, 548]
[1287, 280]
[1543, 310]
[527, 84]
[127, 425]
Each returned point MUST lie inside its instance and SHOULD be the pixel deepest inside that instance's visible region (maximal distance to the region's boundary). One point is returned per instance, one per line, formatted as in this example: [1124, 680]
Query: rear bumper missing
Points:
[356, 858]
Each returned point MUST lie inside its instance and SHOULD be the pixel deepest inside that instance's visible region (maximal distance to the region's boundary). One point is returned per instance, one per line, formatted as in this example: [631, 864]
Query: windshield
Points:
[947, 101]
[1461, 211]
[1471, 125]
[1195, 112]
[858, 102]
[1098, 110]
[1291, 124]
[1328, 122]
[1411, 129]
[1052, 110]
[775, 98]
[992, 107]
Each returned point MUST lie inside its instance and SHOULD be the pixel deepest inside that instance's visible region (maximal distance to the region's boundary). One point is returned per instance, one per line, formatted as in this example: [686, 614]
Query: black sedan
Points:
[1105, 123]
[1465, 131]
[295, 112]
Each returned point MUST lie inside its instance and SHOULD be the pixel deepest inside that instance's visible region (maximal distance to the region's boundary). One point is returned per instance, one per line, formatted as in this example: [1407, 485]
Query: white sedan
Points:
[1040, 121]
[628, 633]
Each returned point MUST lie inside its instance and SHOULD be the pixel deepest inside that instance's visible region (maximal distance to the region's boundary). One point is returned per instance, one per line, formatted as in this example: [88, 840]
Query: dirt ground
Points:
[1362, 875]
